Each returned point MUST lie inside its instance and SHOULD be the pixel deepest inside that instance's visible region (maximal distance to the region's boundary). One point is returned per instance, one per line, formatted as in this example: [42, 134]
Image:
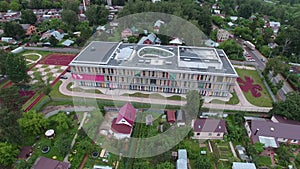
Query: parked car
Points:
[68, 70]
[63, 77]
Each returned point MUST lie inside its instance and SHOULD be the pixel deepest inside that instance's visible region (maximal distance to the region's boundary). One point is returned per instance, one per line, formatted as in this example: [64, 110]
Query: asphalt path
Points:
[63, 89]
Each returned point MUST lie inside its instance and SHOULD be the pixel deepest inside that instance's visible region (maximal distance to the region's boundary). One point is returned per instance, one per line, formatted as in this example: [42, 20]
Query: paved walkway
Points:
[244, 106]
[33, 61]
[73, 141]
[232, 149]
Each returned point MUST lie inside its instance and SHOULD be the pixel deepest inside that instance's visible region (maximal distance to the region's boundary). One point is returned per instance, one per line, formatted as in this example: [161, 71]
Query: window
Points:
[209, 134]
[198, 134]
[218, 134]
[294, 141]
[103, 70]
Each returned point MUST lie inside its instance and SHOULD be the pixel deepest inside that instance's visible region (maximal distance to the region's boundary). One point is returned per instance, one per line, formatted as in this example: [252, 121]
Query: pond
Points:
[95, 154]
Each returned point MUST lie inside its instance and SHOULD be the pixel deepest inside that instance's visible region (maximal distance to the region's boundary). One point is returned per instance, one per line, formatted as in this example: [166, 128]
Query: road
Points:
[246, 107]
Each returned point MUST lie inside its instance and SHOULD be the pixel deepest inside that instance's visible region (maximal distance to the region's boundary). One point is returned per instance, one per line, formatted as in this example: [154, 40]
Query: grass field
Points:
[43, 53]
[264, 100]
[32, 57]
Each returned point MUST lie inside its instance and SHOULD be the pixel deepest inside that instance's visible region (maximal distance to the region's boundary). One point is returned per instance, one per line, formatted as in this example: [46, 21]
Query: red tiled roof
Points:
[128, 112]
[171, 116]
[209, 125]
[120, 128]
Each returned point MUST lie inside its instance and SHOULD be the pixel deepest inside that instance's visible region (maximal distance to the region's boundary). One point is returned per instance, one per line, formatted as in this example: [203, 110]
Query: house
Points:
[211, 43]
[274, 25]
[58, 34]
[8, 40]
[68, 42]
[25, 152]
[29, 29]
[157, 25]
[180, 118]
[153, 1]
[233, 18]
[47, 163]
[176, 41]
[123, 124]
[171, 116]
[239, 165]
[230, 24]
[205, 128]
[150, 39]
[222, 35]
[272, 132]
[182, 160]
[126, 33]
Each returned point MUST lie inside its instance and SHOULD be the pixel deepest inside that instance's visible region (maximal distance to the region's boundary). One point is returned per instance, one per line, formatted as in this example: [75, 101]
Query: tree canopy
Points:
[28, 17]
[276, 65]
[14, 30]
[165, 165]
[16, 68]
[289, 108]
[33, 122]
[8, 154]
[70, 18]
[97, 15]
[232, 49]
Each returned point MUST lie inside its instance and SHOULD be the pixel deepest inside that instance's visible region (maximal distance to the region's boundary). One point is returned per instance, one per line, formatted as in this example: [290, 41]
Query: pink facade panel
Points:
[97, 78]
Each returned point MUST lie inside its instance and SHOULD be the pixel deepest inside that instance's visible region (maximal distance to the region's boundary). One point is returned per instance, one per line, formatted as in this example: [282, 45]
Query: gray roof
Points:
[181, 164]
[209, 125]
[144, 57]
[182, 154]
[239, 165]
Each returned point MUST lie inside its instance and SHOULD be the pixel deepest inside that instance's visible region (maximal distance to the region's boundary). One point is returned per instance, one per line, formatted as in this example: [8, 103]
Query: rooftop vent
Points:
[199, 126]
[93, 48]
[141, 61]
[220, 127]
[272, 129]
[147, 61]
[168, 63]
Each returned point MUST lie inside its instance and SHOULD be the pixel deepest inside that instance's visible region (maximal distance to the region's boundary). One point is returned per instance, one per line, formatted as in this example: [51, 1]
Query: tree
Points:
[245, 10]
[193, 104]
[165, 165]
[47, 88]
[3, 57]
[97, 15]
[276, 66]
[14, 30]
[10, 130]
[28, 17]
[8, 154]
[62, 121]
[33, 122]
[69, 17]
[232, 49]
[53, 41]
[15, 5]
[63, 144]
[289, 108]
[4, 6]
[258, 147]
[72, 5]
[16, 68]
[10, 98]
[283, 155]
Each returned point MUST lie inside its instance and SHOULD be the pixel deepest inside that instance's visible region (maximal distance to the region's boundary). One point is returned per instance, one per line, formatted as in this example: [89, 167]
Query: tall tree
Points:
[97, 15]
[4, 6]
[33, 122]
[72, 5]
[69, 17]
[10, 98]
[289, 108]
[10, 130]
[62, 121]
[202, 163]
[8, 154]
[232, 49]
[3, 57]
[15, 5]
[28, 17]
[14, 30]
[275, 66]
[16, 68]
[165, 165]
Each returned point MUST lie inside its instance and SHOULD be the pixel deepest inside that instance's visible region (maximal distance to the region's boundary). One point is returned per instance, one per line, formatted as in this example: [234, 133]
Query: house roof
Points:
[128, 112]
[276, 130]
[182, 154]
[25, 151]
[239, 165]
[282, 119]
[25, 26]
[47, 163]
[181, 164]
[120, 128]
[209, 125]
[67, 42]
[171, 116]
[180, 116]
[176, 41]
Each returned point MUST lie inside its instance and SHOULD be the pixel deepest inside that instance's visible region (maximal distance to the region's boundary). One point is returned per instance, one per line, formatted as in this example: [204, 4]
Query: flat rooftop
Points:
[158, 57]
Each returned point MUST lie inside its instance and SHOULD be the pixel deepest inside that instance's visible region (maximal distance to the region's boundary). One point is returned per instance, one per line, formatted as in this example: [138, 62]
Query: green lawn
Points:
[55, 91]
[32, 57]
[264, 100]
[43, 53]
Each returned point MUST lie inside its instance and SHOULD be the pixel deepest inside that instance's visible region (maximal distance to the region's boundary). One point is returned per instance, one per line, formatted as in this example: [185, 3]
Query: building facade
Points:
[154, 68]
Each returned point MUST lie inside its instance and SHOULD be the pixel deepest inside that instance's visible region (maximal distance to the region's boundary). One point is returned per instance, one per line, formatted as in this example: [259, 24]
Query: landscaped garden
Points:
[154, 96]
[253, 88]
